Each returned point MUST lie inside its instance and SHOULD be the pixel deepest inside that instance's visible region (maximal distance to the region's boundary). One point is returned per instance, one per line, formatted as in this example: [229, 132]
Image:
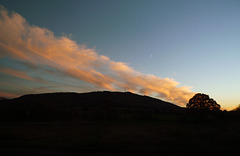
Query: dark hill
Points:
[65, 106]
[2, 98]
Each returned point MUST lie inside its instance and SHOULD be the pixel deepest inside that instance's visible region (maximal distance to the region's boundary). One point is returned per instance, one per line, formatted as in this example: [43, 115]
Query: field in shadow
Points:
[124, 137]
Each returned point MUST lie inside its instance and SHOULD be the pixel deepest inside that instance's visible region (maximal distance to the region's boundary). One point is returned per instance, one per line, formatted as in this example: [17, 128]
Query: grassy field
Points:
[125, 137]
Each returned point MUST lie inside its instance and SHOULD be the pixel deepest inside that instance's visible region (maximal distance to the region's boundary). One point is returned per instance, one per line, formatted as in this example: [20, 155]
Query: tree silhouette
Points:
[203, 102]
[237, 108]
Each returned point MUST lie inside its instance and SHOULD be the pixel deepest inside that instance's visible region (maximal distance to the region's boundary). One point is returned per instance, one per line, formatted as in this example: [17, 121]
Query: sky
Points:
[168, 49]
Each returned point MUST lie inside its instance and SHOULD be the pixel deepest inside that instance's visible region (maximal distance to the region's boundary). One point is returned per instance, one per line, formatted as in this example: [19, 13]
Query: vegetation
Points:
[237, 108]
[203, 102]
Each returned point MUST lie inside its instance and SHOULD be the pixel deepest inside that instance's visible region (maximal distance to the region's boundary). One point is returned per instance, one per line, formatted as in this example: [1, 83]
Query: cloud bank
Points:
[39, 47]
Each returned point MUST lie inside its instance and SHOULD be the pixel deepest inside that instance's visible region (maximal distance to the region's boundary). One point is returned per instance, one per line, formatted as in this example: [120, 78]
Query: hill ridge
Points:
[105, 102]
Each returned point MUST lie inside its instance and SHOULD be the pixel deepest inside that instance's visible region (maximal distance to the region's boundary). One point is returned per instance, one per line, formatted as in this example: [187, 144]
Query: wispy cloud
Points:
[15, 73]
[38, 46]
[8, 95]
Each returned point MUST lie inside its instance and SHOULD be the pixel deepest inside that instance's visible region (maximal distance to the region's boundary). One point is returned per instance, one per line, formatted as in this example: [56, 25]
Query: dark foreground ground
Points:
[119, 138]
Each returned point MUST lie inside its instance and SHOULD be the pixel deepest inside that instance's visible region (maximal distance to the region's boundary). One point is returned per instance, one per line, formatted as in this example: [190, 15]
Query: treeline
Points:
[43, 114]
[103, 112]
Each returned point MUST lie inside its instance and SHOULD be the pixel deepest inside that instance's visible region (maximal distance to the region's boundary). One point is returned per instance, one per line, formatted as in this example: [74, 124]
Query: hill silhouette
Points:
[2, 98]
[65, 106]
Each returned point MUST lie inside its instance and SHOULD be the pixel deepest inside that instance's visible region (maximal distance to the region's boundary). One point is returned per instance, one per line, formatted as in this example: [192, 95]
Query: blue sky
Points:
[194, 43]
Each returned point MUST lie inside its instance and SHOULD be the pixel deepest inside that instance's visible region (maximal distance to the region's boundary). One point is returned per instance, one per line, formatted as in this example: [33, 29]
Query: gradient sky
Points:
[169, 49]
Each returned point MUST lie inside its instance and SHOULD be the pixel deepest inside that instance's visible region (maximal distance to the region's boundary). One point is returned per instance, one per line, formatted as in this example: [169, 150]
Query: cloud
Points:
[15, 73]
[7, 95]
[39, 46]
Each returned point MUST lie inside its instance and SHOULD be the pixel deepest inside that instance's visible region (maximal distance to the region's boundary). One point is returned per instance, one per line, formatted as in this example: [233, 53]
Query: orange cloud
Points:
[39, 46]
[15, 73]
[8, 95]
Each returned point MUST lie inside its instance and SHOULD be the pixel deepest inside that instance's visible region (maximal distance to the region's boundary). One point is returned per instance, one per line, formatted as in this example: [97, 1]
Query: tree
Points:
[203, 102]
[237, 108]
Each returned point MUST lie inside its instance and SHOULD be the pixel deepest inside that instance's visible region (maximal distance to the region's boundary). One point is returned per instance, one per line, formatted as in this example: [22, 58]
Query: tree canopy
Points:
[203, 102]
[237, 108]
